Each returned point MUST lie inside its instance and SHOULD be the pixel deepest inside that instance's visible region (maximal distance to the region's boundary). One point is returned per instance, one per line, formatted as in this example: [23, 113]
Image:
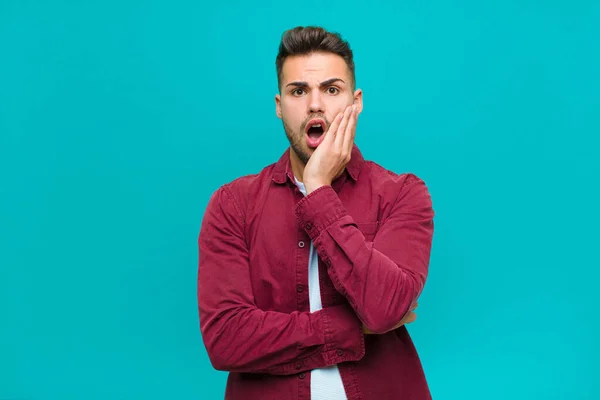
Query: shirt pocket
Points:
[368, 229]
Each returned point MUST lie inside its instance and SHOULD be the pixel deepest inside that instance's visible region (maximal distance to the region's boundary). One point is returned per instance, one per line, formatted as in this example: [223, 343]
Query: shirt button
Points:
[298, 366]
[340, 352]
[302, 375]
[308, 226]
[299, 288]
[301, 244]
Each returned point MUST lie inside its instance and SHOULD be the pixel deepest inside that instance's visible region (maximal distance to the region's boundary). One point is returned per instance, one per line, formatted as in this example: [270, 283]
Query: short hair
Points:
[313, 39]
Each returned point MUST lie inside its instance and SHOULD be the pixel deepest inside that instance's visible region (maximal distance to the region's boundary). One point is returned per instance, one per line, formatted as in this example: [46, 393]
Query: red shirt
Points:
[372, 230]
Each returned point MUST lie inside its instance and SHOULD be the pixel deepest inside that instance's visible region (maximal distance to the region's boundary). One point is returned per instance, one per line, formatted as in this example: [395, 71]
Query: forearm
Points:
[381, 279]
[245, 339]
[380, 290]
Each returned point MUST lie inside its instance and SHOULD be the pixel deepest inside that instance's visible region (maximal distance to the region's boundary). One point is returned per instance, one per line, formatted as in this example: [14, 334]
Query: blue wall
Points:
[119, 119]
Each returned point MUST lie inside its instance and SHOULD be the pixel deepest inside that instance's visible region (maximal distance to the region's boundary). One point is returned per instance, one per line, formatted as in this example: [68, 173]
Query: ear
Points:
[278, 105]
[358, 99]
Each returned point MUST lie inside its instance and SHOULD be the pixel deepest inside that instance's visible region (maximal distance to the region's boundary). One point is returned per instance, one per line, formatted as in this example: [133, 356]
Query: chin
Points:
[303, 153]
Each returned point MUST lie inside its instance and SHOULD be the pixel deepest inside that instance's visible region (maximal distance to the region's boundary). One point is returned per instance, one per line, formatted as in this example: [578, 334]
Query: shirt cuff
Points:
[344, 336]
[344, 341]
[318, 210]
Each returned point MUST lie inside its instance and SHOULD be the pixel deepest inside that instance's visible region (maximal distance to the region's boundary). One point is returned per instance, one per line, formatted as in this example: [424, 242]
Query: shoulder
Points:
[235, 193]
[386, 180]
[244, 186]
[400, 192]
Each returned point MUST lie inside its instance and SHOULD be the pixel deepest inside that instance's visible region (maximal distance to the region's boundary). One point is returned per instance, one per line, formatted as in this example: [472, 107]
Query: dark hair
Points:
[312, 39]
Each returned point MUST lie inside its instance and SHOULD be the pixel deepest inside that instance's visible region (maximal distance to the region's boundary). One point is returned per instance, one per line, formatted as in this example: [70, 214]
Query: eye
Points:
[297, 91]
[333, 90]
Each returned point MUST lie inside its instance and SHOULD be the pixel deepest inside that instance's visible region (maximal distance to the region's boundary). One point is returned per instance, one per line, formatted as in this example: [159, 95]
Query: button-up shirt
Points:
[372, 230]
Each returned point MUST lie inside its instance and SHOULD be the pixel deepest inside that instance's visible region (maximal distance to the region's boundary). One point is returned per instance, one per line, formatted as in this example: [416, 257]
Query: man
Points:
[310, 269]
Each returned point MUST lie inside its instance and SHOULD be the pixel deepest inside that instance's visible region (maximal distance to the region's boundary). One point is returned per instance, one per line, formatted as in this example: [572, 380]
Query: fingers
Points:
[331, 132]
[410, 317]
[350, 131]
[341, 131]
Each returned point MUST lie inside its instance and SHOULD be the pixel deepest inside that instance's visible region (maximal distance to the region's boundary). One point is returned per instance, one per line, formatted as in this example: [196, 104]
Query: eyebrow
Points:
[322, 84]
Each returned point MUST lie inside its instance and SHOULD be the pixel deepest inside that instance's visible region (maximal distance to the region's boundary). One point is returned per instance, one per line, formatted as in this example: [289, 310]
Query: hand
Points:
[411, 316]
[330, 158]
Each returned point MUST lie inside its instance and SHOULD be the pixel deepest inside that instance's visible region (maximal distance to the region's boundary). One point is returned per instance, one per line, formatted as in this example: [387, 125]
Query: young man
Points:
[310, 269]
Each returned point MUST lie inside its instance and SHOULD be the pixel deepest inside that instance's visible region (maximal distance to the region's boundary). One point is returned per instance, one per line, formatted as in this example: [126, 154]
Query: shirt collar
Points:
[283, 169]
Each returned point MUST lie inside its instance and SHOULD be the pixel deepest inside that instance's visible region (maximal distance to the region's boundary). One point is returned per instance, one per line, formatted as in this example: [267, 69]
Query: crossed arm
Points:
[382, 281]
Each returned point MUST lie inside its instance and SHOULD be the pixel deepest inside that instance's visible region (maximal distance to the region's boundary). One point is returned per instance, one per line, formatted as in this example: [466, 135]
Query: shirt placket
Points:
[302, 250]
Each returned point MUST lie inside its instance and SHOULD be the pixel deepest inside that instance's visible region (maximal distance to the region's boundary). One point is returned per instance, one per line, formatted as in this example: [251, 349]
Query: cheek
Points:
[292, 114]
[334, 113]
[339, 106]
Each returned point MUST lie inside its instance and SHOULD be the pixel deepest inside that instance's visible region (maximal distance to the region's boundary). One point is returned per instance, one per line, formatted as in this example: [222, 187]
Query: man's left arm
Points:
[382, 279]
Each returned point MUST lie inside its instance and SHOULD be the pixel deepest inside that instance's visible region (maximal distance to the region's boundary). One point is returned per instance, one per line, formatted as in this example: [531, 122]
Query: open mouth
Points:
[314, 132]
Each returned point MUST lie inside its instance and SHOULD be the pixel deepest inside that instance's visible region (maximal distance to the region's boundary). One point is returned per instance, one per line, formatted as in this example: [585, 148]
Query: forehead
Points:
[315, 66]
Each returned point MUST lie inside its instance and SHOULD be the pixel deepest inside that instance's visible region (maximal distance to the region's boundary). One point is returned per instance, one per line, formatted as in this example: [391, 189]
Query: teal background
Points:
[119, 119]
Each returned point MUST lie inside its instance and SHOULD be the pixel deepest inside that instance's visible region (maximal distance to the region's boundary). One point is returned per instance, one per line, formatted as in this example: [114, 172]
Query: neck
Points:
[297, 165]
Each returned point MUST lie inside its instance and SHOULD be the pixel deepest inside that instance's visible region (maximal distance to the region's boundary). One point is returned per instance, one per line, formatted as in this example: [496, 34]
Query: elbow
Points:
[220, 358]
[223, 343]
[223, 360]
[218, 354]
[387, 321]
[224, 353]
[389, 311]
[380, 327]
[381, 319]
[220, 363]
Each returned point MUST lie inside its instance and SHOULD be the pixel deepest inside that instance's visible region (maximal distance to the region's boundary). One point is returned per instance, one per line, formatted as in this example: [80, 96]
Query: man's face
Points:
[314, 89]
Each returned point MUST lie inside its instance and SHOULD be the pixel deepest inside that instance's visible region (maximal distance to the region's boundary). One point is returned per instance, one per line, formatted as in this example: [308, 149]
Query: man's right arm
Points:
[239, 337]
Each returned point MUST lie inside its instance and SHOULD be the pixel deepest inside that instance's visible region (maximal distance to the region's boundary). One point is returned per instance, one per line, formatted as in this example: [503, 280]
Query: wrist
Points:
[312, 186]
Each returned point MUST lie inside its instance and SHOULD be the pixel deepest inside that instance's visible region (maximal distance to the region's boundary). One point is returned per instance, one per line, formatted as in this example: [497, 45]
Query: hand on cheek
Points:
[330, 158]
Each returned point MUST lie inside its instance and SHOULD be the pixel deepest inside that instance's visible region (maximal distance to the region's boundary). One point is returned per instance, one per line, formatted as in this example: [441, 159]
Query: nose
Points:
[315, 104]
